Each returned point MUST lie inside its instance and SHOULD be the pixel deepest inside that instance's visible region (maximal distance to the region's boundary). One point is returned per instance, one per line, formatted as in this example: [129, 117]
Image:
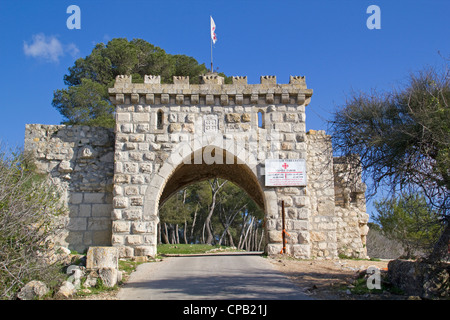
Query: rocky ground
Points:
[321, 279]
[333, 279]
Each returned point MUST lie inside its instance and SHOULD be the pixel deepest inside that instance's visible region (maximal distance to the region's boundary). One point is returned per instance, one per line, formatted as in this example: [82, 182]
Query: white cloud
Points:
[48, 48]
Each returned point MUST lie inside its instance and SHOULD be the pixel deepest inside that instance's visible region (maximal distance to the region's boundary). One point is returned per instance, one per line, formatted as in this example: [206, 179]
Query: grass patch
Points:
[191, 249]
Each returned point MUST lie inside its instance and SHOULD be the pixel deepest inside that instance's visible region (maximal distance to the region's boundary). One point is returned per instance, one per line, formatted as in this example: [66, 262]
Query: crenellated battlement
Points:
[211, 91]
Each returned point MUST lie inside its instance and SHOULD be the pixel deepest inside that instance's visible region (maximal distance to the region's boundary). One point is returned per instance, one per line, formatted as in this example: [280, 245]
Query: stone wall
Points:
[321, 194]
[170, 135]
[351, 216]
[80, 160]
[337, 199]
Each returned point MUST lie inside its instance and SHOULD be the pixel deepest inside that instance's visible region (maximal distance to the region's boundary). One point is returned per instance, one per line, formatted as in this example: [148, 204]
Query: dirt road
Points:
[218, 276]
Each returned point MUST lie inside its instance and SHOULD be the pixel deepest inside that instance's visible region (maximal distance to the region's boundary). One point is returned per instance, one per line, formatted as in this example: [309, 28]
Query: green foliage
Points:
[409, 220]
[402, 137]
[190, 248]
[234, 216]
[29, 210]
[86, 104]
[86, 99]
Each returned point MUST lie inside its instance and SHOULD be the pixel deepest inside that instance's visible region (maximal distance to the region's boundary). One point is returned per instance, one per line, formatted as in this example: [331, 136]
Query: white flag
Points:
[213, 31]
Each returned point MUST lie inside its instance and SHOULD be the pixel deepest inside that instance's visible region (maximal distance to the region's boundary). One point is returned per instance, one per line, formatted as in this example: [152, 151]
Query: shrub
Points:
[29, 209]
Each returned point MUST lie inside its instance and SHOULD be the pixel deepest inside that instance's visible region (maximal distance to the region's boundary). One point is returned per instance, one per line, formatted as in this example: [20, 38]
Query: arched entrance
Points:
[187, 172]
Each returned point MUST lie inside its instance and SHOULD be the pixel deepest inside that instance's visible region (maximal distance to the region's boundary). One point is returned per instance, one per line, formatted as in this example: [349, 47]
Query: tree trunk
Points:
[159, 233]
[240, 243]
[230, 239]
[185, 232]
[193, 223]
[261, 239]
[215, 187]
[244, 242]
[441, 249]
[165, 235]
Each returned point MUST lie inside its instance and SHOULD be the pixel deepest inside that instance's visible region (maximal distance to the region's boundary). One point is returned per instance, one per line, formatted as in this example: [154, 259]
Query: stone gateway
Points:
[168, 136]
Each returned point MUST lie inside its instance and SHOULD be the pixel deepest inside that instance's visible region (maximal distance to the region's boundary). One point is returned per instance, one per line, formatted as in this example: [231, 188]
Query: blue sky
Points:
[326, 41]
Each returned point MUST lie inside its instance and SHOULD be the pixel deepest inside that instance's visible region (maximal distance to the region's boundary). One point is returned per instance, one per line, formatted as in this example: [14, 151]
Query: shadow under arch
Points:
[187, 172]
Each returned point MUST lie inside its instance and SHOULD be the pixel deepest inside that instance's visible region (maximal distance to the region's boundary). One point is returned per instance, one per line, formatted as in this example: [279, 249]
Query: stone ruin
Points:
[168, 136]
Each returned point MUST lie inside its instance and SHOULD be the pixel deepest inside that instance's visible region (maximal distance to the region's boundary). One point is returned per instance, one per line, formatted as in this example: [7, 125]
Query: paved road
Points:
[204, 277]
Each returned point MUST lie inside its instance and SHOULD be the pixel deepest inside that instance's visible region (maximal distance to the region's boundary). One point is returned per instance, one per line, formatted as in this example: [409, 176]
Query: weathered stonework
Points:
[80, 160]
[170, 135]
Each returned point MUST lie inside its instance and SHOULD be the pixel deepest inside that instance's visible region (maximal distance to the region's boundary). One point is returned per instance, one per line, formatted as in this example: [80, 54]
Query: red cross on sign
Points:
[285, 165]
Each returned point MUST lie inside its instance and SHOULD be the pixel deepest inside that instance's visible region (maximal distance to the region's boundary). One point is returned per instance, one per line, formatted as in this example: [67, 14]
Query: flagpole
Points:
[211, 57]
[211, 48]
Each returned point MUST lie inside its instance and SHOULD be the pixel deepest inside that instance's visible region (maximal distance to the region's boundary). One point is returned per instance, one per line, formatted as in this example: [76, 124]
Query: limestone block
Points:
[291, 117]
[233, 117]
[174, 127]
[145, 251]
[172, 117]
[126, 128]
[102, 257]
[150, 98]
[66, 290]
[136, 137]
[142, 227]
[274, 249]
[77, 224]
[209, 99]
[132, 214]
[224, 99]
[179, 99]
[136, 201]
[246, 117]
[239, 99]
[33, 290]
[275, 236]
[65, 167]
[271, 80]
[194, 99]
[269, 98]
[304, 237]
[254, 98]
[121, 226]
[164, 98]
[101, 210]
[302, 251]
[109, 276]
[120, 98]
[240, 80]
[134, 98]
[300, 225]
[87, 153]
[117, 239]
[121, 178]
[133, 239]
[151, 79]
[141, 117]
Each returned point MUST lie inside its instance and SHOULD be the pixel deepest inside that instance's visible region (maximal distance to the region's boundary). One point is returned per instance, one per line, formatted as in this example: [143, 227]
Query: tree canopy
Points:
[402, 138]
[86, 101]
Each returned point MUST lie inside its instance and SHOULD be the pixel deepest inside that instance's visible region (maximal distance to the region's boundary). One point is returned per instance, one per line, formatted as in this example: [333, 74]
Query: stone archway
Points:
[240, 131]
[160, 127]
[187, 172]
